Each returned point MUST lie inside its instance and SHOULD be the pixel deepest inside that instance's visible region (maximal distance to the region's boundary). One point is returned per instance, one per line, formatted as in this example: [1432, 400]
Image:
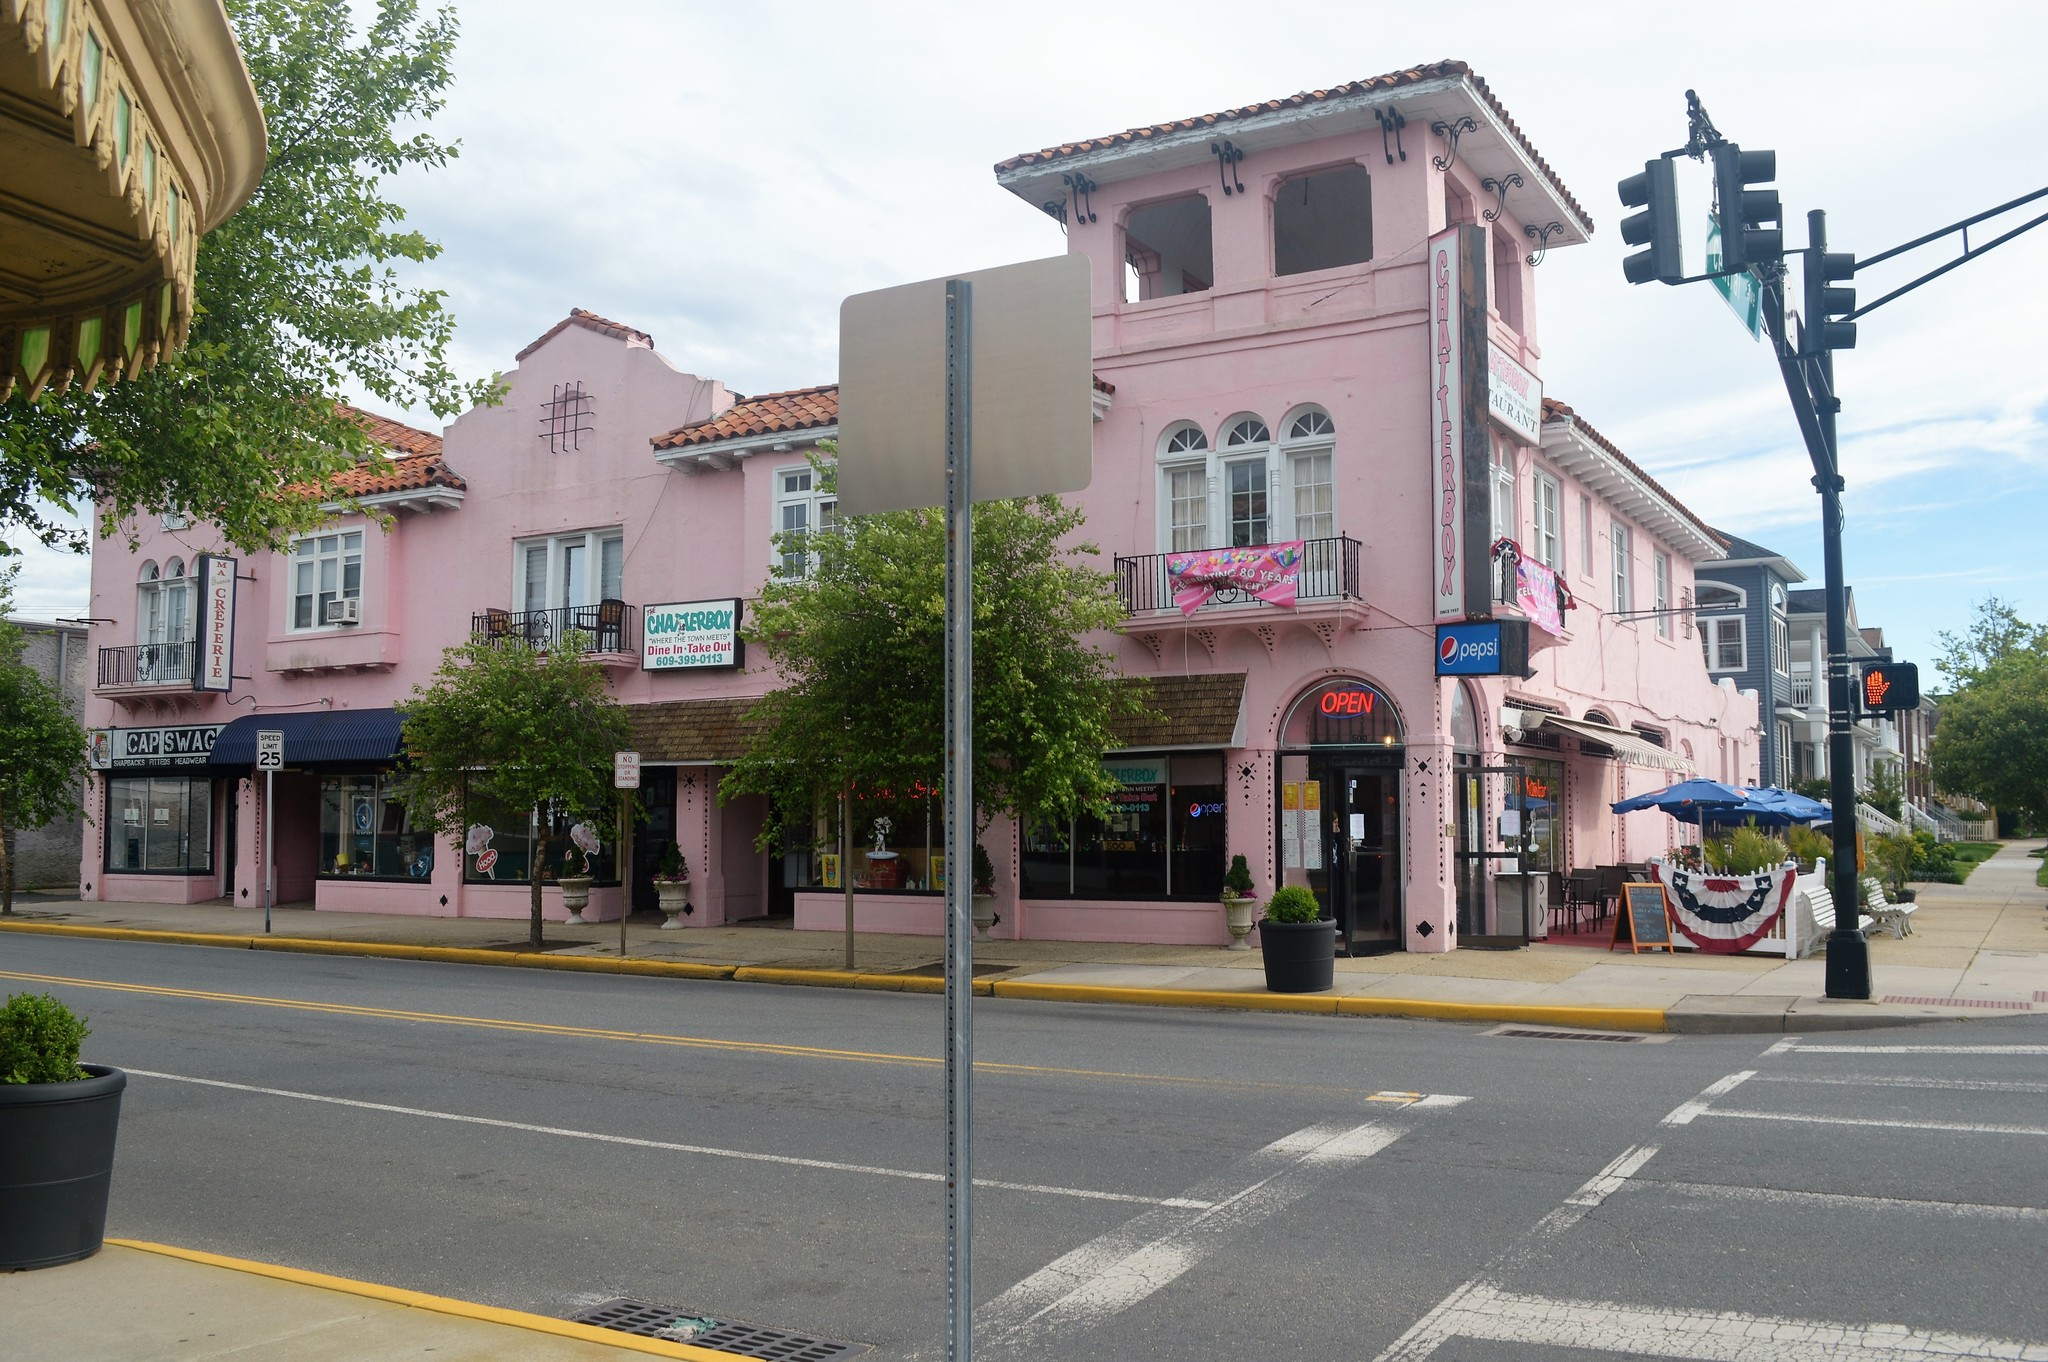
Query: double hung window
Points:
[801, 509]
[1549, 525]
[1722, 640]
[165, 602]
[1662, 602]
[1246, 473]
[1250, 491]
[325, 568]
[567, 570]
[1624, 567]
[1502, 509]
[1310, 454]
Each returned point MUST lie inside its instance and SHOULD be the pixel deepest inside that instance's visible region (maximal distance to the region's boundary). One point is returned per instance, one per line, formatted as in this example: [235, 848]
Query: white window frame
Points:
[1307, 435]
[1662, 589]
[1247, 443]
[555, 593]
[1586, 535]
[345, 551]
[1781, 633]
[1184, 454]
[1501, 514]
[1547, 518]
[797, 488]
[1622, 543]
[1713, 633]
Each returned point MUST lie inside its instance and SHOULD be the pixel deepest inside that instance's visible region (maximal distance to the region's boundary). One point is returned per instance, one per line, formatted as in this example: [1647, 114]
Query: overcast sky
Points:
[722, 175]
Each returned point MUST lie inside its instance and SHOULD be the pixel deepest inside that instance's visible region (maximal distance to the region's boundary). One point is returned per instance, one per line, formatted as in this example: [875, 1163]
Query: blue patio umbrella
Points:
[1690, 800]
[1783, 806]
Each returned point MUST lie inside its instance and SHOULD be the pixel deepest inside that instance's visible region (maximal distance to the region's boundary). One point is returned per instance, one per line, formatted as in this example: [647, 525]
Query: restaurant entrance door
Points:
[1361, 799]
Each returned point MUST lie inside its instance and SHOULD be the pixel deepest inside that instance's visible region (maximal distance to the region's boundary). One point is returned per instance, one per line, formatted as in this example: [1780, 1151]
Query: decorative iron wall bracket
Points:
[1499, 189]
[1056, 209]
[1391, 120]
[1227, 156]
[1541, 236]
[1451, 132]
[1083, 192]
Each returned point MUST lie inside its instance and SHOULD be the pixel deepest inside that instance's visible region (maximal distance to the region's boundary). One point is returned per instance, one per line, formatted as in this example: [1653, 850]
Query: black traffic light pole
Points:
[1808, 366]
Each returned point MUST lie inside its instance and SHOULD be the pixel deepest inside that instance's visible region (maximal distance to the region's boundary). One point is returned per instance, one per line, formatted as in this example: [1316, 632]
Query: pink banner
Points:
[1268, 572]
[1542, 596]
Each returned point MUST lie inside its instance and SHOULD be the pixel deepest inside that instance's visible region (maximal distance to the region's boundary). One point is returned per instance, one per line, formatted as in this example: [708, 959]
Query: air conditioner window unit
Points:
[345, 612]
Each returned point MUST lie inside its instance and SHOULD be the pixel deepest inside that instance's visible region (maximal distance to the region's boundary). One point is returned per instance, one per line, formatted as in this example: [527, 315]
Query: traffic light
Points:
[1890, 686]
[1824, 303]
[1655, 191]
[1751, 231]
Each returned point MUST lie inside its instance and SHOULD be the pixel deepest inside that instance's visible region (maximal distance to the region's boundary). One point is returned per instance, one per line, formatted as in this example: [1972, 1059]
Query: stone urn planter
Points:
[675, 902]
[575, 897]
[56, 1165]
[985, 915]
[1239, 912]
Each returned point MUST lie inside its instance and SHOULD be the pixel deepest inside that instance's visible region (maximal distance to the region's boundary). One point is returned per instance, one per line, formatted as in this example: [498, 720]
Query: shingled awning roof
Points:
[1185, 711]
[695, 731]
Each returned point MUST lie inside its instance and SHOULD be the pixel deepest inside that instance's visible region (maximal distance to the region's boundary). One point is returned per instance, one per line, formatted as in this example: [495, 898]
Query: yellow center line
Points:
[753, 1047]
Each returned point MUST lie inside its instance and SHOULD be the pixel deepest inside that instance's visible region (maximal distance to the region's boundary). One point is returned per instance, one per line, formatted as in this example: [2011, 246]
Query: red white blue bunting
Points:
[1726, 913]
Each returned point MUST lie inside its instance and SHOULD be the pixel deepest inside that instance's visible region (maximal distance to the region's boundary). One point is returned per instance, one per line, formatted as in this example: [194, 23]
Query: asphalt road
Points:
[1155, 1183]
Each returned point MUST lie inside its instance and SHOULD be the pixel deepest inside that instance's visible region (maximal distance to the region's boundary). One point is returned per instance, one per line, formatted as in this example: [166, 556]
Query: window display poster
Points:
[1290, 825]
[1312, 825]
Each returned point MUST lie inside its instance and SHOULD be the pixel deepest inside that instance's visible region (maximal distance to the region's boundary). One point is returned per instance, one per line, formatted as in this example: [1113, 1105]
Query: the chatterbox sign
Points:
[691, 634]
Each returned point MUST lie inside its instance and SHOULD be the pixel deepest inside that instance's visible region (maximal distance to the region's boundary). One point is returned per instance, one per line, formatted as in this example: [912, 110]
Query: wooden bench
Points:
[1814, 903]
[1896, 918]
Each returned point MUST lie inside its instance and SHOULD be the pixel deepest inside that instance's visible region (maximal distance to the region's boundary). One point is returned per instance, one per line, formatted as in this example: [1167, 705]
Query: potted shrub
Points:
[672, 885]
[576, 877]
[984, 893]
[57, 1124]
[1299, 944]
[1239, 904]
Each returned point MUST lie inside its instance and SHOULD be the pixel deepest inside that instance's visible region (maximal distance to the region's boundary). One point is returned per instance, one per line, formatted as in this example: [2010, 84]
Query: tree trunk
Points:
[540, 860]
[6, 864]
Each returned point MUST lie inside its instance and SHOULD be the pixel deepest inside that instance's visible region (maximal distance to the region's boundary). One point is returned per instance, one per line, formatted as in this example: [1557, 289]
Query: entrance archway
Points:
[1342, 751]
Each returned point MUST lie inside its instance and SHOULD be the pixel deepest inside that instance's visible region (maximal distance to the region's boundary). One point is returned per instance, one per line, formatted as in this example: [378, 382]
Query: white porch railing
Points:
[1802, 689]
[1877, 823]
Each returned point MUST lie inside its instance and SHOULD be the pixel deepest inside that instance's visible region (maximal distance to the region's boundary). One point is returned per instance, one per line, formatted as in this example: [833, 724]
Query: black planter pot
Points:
[1301, 957]
[56, 1164]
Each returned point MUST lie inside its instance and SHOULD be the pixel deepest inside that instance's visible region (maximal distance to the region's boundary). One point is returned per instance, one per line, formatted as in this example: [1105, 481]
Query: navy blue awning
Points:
[330, 735]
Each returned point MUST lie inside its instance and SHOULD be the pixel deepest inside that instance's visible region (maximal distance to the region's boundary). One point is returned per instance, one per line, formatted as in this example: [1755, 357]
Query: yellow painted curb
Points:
[1322, 1003]
[1584, 1018]
[443, 1305]
[815, 978]
[127, 934]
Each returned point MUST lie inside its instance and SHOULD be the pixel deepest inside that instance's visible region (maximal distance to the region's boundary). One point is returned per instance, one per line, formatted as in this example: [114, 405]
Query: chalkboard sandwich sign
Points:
[1645, 919]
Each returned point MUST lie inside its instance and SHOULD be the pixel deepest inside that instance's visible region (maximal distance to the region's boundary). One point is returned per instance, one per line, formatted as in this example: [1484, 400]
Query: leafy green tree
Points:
[42, 748]
[297, 298]
[510, 726]
[1997, 634]
[1991, 741]
[858, 637]
[1884, 791]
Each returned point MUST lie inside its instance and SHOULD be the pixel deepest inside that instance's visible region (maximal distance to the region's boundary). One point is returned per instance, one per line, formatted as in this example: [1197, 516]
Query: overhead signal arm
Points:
[1969, 252]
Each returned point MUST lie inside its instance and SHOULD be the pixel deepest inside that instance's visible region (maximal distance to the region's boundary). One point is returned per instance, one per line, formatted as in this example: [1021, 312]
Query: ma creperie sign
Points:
[691, 634]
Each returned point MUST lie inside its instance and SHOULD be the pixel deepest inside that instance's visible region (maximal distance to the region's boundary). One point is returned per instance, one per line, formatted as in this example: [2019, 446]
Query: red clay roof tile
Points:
[768, 414]
[1392, 80]
[590, 321]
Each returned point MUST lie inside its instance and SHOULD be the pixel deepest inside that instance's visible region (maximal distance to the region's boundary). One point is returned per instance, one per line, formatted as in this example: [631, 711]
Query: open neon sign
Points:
[1347, 704]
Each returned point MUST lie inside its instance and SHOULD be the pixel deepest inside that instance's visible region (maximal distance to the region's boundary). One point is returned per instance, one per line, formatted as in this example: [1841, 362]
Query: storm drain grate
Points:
[1526, 1033]
[743, 1340]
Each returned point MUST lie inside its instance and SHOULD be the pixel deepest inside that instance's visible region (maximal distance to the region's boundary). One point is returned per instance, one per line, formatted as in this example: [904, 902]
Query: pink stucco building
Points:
[1315, 331]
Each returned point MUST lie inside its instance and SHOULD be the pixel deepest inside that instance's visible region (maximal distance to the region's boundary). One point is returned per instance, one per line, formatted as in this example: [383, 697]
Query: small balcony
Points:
[1802, 690]
[609, 630]
[1329, 572]
[148, 664]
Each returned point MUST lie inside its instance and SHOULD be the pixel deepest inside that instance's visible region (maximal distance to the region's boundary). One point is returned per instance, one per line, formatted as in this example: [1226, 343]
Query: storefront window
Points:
[1541, 801]
[909, 830]
[365, 833]
[1165, 836]
[160, 825]
[497, 847]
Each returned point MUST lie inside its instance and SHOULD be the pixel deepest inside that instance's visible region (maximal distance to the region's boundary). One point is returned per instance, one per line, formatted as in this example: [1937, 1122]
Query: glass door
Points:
[1362, 812]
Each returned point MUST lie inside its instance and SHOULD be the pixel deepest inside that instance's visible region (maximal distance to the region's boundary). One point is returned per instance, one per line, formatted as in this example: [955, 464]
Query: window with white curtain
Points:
[1502, 510]
[1184, 472]
[1662, 602]
[1624, 567]
[1549, 524]
[1308, 451]
[581, 568]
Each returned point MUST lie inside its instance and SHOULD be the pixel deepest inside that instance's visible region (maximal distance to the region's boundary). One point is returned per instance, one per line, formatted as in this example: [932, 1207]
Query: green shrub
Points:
[984, 871]
[1809, 846]
[1237, 881]
[1293, 904]
[1745, 851]
[39, 1039]
[1891, 854]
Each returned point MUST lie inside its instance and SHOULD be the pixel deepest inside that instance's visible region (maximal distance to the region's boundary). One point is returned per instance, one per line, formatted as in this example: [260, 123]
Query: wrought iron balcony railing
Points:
[607, 627]
[149, 664]
[1329, 572]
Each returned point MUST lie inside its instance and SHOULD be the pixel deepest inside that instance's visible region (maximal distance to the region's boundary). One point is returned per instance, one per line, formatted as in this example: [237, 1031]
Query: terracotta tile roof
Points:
[1554, 410]
[694, 730]
[1184, 711]
[1391, 81]
[416, 464]
[774, 414]
[768, 414]
[590, 321]
[397, 436]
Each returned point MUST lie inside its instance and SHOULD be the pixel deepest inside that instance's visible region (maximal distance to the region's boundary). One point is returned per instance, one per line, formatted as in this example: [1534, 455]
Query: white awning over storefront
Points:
[1630, 748]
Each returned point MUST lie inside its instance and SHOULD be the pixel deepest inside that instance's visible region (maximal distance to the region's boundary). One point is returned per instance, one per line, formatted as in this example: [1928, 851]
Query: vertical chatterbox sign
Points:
[216, 663]
[1458, 405]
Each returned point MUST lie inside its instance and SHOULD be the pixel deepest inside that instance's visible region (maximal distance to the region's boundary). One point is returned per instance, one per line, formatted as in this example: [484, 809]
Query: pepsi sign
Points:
[1488, 648]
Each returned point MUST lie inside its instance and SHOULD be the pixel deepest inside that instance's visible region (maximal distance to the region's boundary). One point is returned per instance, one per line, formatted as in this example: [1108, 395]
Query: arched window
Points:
[1342, 713]
[1184, 488]
[1464, 719]
[1308, 457]
[1247, 477]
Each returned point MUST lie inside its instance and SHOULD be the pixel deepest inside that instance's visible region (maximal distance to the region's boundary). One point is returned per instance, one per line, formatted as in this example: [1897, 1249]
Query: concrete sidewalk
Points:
[1978, 950]
[136, 1302]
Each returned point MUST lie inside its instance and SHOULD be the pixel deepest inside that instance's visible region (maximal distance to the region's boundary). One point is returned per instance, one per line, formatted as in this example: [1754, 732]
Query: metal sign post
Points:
[269, 760]
[959, 822]
[625, 778]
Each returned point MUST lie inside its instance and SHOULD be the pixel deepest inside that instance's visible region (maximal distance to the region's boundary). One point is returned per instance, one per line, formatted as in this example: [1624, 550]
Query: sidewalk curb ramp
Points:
[443, 1305]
